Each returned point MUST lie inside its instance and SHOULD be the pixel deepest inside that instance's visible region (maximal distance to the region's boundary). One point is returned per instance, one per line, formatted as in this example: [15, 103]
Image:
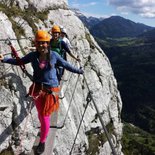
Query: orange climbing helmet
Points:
[42, 35]
[55, 28]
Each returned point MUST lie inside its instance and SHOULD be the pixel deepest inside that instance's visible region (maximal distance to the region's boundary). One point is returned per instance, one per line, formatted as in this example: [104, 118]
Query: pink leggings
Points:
[44, 121]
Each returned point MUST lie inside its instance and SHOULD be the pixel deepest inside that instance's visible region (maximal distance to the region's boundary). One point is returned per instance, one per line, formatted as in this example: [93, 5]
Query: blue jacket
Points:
[48, 74]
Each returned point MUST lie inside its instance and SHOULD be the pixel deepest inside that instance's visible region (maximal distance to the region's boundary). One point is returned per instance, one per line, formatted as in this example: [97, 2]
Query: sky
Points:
[139, 11]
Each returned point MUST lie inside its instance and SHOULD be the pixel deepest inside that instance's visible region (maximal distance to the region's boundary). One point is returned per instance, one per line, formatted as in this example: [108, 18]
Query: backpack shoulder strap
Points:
[60, 44]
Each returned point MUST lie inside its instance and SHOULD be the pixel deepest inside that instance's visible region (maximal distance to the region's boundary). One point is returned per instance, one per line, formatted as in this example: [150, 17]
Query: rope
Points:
[25, 127]
[67, 83]
[18, 59]
[30, 103]
[101, 120]
[19, 149]
[100, 117]
[70, 101]
[66, 86]
[14, 39]
[88, 99]
[2, 69]
[28, 112]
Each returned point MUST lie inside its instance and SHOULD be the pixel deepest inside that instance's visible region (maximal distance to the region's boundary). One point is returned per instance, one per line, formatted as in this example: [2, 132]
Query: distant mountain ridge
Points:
[114, 27]
[88, 21]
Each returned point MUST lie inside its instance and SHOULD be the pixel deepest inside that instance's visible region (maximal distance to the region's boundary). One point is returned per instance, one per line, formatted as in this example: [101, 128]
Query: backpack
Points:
[56, 46]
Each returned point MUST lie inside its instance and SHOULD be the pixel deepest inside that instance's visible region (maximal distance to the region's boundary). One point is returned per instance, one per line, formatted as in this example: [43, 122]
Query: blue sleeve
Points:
[26, 59]
[65, 47]
[66, 65]
[9, 61]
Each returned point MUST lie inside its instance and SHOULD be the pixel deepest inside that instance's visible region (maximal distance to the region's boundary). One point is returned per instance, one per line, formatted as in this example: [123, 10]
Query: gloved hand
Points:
[81, 71]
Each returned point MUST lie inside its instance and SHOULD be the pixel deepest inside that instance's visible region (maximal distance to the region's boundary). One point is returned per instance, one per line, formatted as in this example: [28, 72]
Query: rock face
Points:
[17, 126]
[36, 4]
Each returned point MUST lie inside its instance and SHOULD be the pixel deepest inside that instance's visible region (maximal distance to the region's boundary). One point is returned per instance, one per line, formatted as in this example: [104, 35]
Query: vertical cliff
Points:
[98, 76]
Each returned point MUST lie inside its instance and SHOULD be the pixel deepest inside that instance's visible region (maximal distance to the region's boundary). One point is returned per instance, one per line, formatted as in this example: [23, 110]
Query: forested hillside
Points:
[133, 62]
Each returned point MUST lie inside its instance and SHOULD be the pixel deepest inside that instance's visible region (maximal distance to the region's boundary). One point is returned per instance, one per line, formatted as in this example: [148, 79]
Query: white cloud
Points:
[145, 8]
[84, 5]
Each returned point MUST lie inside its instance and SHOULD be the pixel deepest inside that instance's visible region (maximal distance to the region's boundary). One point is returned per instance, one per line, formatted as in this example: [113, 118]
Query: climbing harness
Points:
[43, 88]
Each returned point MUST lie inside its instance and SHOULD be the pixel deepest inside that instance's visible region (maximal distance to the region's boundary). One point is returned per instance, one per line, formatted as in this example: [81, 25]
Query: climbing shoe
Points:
[40, 148]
